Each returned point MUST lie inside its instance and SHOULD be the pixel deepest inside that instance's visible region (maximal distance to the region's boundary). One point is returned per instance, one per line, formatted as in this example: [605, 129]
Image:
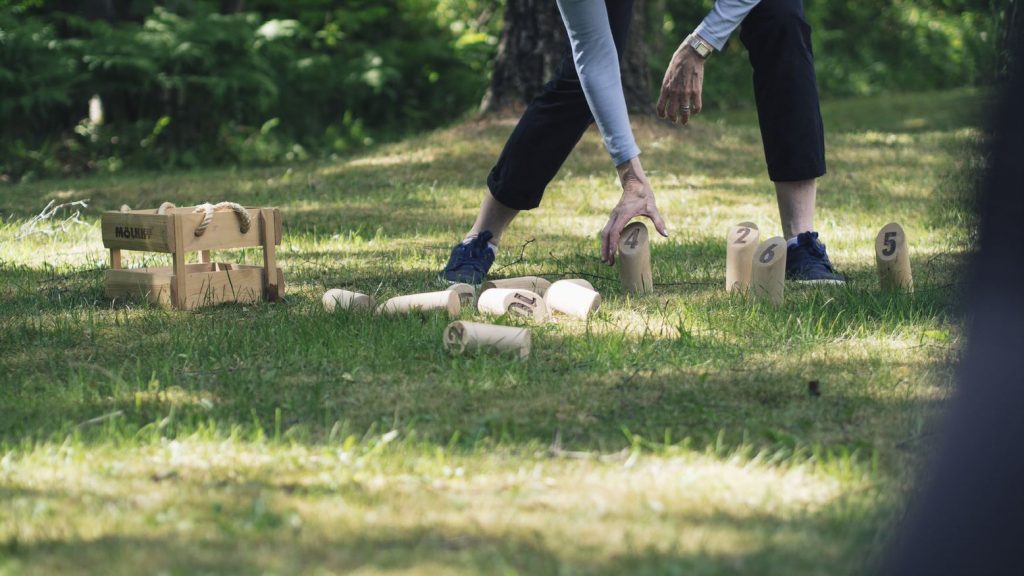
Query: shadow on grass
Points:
[291, 368]
[246, 544]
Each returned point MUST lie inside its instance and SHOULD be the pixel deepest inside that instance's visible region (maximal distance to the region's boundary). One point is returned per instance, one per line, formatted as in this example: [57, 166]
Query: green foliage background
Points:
[865, 47]
[184, 85]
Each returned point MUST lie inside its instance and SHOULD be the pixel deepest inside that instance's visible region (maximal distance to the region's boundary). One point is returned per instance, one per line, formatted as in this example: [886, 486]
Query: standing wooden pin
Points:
[768, 280]
[893, 258]
[635, 259]
[461, 337]
[739, 256]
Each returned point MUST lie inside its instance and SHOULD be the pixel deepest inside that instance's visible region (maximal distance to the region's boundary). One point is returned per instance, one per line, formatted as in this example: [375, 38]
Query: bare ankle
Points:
[494, 240]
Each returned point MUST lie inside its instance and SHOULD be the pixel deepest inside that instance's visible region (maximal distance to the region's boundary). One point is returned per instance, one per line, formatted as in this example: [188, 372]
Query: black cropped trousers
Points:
[778, 40]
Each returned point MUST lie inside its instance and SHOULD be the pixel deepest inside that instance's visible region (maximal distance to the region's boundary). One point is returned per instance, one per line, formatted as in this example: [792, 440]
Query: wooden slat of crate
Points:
[206, 284]
[267, 218]
[132, 231]
[145, 230]
[242, 283]
[209, 288]
[152, 284]
[223, 231]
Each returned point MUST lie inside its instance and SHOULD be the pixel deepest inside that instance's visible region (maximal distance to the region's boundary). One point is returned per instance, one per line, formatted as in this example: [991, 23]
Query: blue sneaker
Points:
[808, 263]
[469, 261]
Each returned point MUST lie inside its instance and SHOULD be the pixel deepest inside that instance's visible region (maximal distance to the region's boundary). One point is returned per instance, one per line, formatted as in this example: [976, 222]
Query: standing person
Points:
[778, 39]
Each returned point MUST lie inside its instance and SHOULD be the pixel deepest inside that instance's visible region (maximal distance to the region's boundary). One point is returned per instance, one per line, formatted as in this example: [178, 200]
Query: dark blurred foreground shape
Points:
[970, 518]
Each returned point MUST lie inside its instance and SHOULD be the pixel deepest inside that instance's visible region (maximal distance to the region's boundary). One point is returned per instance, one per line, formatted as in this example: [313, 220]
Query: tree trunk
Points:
[532, 40]
[231, 6]
[531, 46]
[636, 77]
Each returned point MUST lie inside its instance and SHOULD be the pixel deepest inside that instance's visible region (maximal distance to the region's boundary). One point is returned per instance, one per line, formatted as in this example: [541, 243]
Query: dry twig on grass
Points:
[44, 223]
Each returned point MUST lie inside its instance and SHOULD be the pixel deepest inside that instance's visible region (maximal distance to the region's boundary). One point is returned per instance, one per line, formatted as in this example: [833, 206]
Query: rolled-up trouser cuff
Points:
[626, 155]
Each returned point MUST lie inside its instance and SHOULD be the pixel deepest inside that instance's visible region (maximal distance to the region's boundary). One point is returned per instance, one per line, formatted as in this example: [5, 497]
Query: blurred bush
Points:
[196, 82]
[862, 47]
[194, 86]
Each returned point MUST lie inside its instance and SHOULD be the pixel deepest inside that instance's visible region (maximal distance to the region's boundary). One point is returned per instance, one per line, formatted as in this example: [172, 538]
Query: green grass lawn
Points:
[670, 434]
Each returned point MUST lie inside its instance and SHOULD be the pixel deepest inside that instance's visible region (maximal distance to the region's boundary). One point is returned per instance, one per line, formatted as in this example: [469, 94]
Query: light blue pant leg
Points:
[597, 63]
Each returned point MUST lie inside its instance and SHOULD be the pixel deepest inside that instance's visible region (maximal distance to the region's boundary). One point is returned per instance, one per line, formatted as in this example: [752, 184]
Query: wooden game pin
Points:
[461, 337]
[581, 282]
[337, 299]
[531, 283]
[893, 258]
[635, 259]
[445, 300]
[740, 246]
[768, 280]
[572, 299]
[514, 302]
[467, 295]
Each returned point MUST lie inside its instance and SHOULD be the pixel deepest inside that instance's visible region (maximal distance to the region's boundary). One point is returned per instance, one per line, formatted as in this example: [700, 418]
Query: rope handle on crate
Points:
[244, 220]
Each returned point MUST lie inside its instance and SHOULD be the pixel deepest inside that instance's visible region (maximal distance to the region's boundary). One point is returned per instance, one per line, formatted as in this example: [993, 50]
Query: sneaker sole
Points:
[822, 282]
[444, 282]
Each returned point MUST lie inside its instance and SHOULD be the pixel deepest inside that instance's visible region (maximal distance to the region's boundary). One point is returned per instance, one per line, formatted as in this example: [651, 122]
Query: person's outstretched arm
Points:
[725, 17]
[683, 85]
[597, 64]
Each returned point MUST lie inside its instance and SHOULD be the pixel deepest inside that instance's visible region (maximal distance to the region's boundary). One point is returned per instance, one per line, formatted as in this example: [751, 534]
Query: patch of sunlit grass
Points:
[688, 431]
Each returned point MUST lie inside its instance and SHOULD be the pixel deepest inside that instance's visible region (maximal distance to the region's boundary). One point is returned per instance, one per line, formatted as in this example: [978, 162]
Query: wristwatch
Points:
[702, 48]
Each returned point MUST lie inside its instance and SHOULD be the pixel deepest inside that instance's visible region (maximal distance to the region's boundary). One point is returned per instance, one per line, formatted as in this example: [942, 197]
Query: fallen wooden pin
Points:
[531, 283]
[581, 282]
[337, 299]
[635, 259]
[514, 302]
[467, 295]
[462, 337]
[571, 298]
[893, 259]
[446, 300]
[741, 243]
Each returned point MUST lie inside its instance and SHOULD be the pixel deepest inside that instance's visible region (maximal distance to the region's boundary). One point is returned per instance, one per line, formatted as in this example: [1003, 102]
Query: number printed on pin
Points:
[521, 298]
[520, 309]
[768, 254]
[455, 334]
[634, 238]
[742, 239]
[890, 243]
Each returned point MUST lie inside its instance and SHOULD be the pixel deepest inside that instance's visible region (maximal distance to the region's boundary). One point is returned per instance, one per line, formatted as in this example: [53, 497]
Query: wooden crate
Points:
[188, 286]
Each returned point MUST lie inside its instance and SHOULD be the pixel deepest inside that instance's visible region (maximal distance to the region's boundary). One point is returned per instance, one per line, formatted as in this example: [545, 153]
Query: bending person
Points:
[588, 86]
[778, 40]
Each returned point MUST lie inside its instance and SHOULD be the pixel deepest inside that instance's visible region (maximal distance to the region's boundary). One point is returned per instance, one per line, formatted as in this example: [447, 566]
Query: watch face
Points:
[700, 47]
